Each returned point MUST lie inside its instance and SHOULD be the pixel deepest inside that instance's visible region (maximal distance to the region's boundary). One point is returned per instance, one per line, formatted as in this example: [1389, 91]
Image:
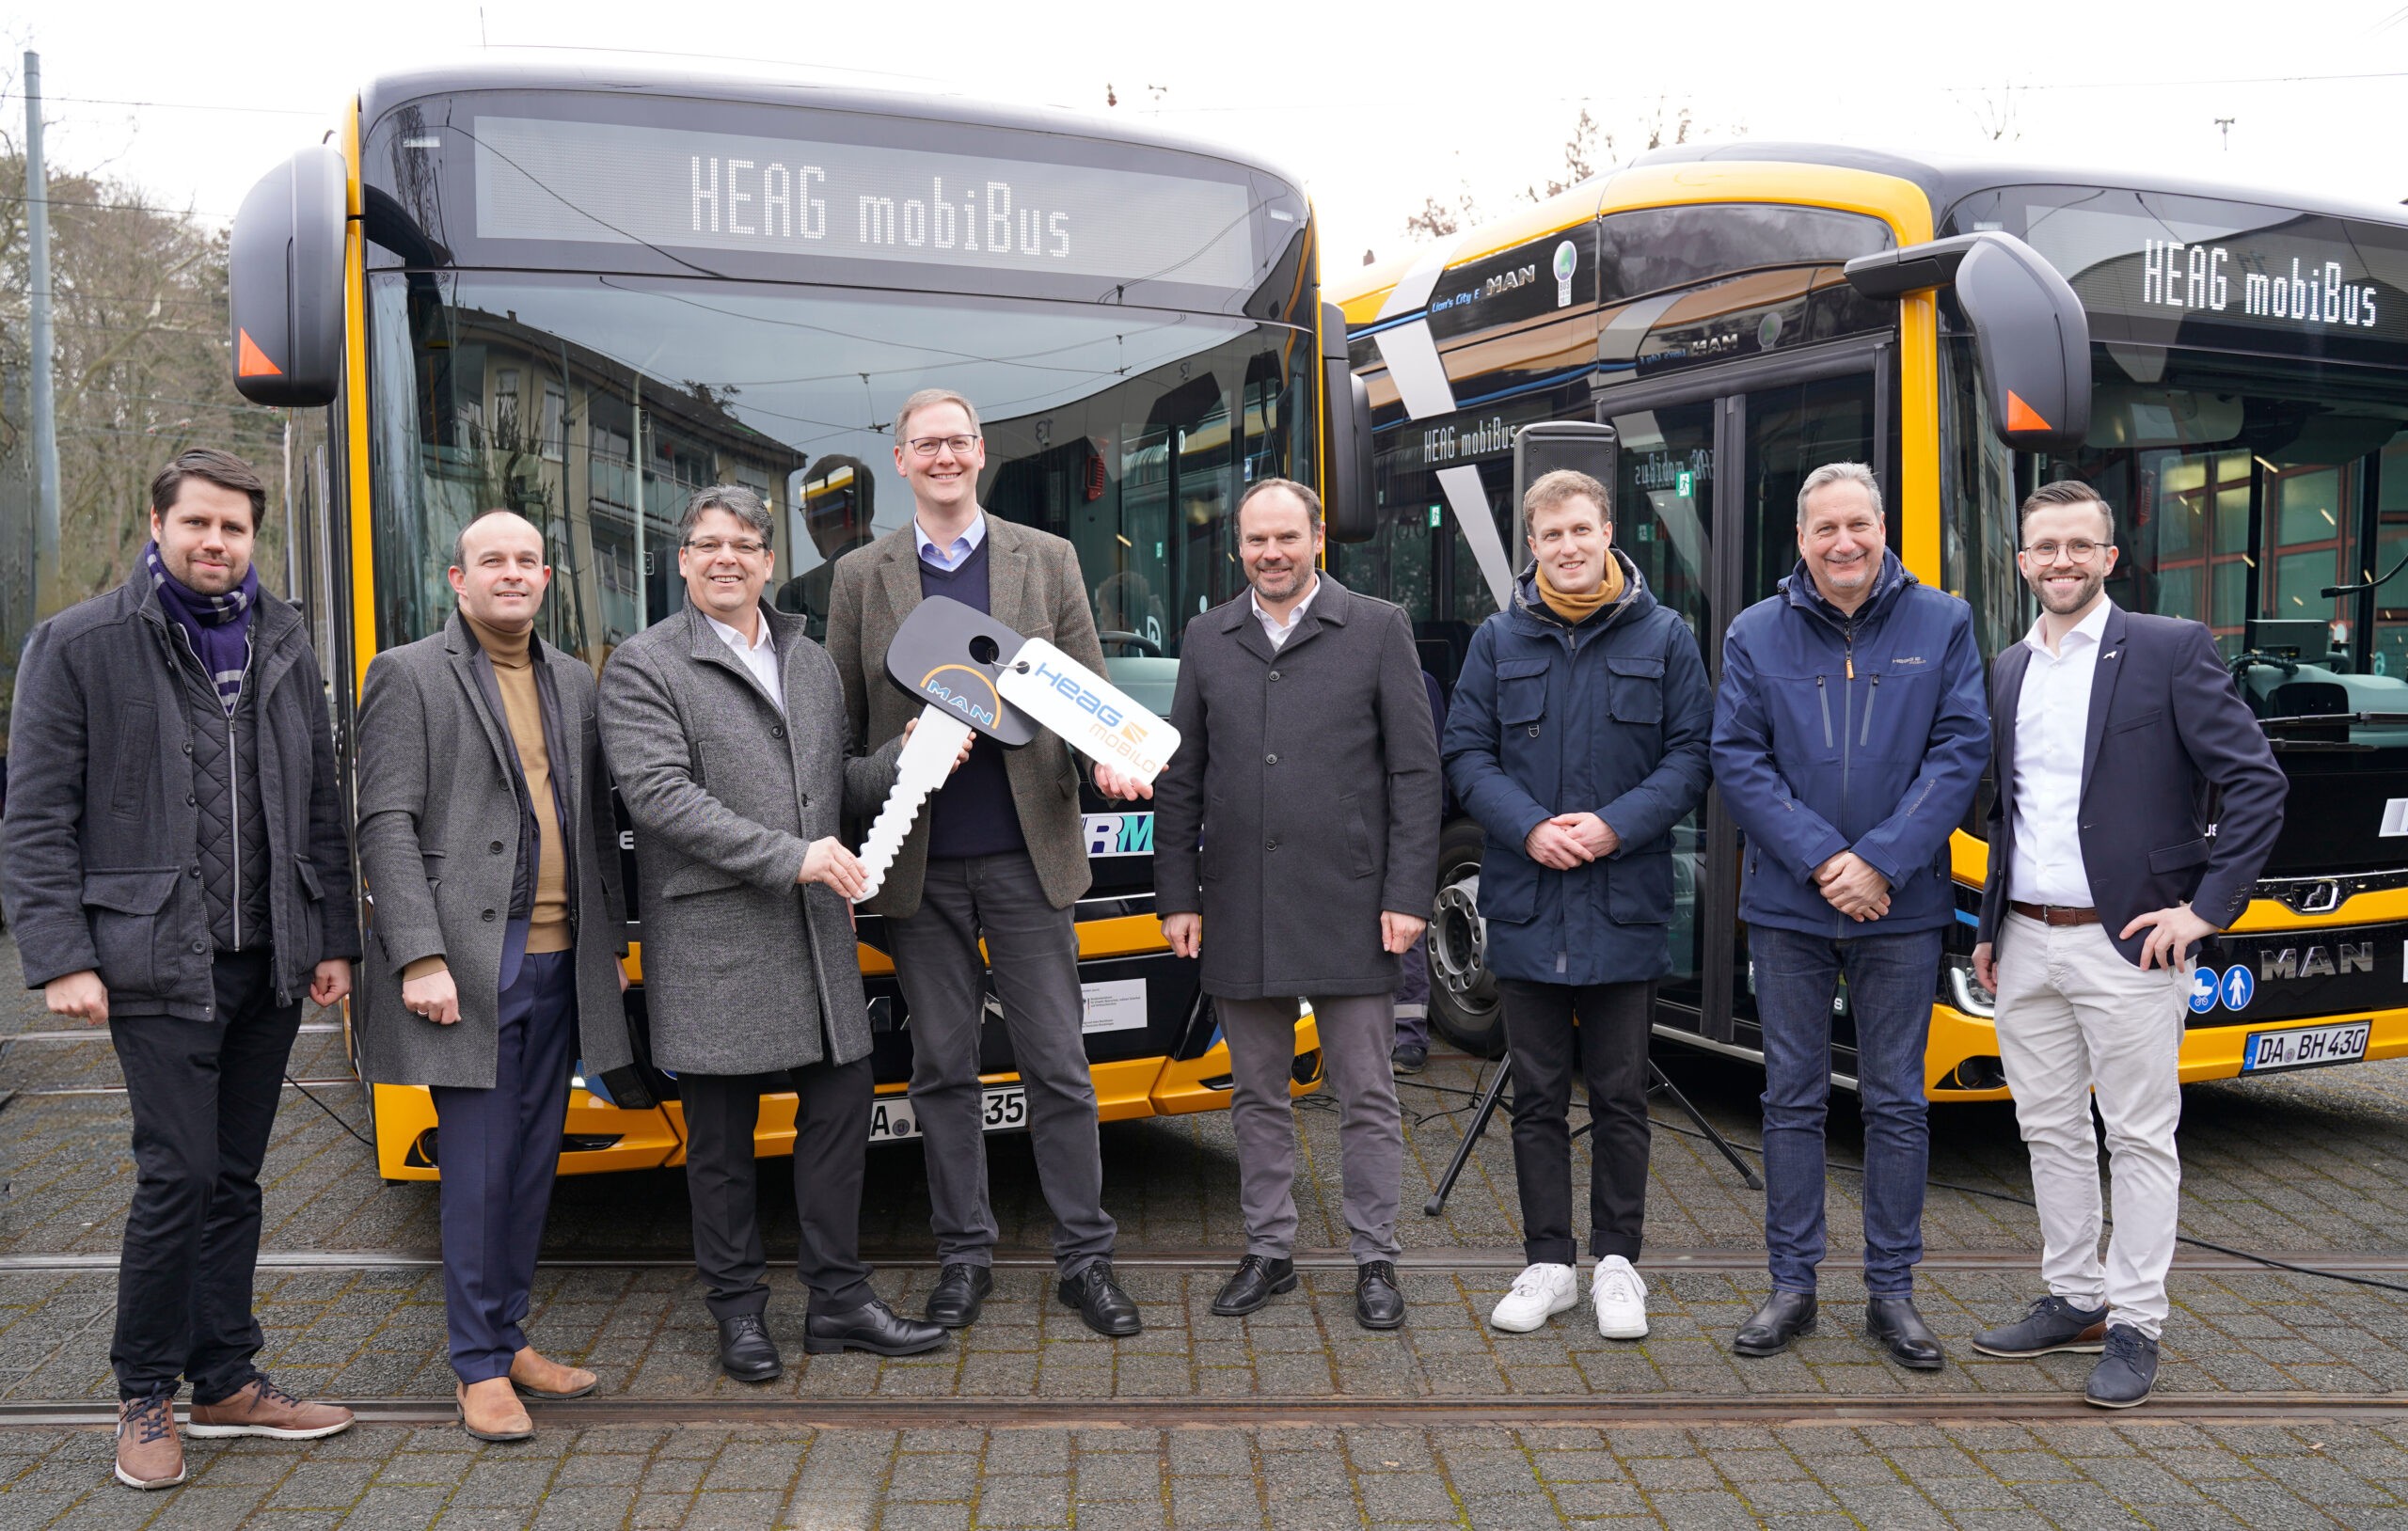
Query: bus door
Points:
[1705, 498]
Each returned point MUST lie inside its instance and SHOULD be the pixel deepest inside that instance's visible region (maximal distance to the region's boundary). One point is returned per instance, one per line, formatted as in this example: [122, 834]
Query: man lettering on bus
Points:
[1848, 737]
[176, 868]
[1302, 723]
[2104, 875]
[478, 726]
[1578, 739]
[999, 853]
[725, 727]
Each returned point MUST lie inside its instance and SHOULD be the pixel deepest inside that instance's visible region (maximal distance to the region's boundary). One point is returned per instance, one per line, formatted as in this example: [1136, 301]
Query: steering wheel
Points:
[1138, 641]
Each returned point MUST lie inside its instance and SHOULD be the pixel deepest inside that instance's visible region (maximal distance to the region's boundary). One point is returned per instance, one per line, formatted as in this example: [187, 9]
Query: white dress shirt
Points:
[760, 657]
[950, 557]
[1272, 628]
[2051, 719]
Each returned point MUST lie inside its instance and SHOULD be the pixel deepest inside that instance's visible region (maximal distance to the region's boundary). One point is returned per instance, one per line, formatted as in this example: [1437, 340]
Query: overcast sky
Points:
[1374, 107]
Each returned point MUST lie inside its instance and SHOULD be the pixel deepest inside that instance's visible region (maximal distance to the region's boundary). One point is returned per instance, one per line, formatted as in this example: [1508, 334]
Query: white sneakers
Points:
[1545, 1289]
[1621, 1300]
[1540, 1292]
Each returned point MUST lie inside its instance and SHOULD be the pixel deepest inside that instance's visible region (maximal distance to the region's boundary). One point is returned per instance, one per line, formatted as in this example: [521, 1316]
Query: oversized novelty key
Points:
[945, 654]
[974, 673]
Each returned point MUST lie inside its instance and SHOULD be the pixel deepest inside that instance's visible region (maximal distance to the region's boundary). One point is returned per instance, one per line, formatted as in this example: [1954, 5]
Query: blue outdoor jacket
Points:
[1608, 718]
[1833, 733]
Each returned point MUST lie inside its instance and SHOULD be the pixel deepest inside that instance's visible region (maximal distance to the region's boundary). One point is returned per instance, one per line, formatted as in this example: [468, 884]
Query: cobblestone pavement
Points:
[1052, 1425]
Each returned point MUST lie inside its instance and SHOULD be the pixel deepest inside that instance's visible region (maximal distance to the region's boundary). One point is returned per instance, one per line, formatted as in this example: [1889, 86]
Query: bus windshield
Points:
[597, 404]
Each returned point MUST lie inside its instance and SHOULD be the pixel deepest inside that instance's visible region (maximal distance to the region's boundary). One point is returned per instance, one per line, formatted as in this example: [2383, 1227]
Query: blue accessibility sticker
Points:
[2204, 989]
[2239, 988]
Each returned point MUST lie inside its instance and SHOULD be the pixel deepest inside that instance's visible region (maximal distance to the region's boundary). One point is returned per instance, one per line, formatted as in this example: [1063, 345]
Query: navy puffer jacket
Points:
[1834, 733]
[1609, 716]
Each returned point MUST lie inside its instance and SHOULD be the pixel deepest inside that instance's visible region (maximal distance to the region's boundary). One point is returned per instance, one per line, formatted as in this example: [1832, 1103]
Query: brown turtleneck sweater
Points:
[513, 671]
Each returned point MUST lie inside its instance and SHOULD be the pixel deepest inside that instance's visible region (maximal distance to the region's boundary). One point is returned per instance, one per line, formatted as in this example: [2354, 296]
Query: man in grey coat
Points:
[491, 853]
[725, 727]
[1307, 771]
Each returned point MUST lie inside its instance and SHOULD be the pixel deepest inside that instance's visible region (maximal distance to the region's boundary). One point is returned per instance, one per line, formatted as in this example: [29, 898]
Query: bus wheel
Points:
[1465, 1004]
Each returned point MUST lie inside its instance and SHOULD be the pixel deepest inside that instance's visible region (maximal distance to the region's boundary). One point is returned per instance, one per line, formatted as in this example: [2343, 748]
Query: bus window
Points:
[1792, 431]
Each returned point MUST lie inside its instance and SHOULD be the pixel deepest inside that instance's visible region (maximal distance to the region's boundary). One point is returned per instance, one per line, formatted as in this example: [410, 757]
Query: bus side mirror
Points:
[1351, 509]
[2029, 329]
[1545, 445]
[285, 270]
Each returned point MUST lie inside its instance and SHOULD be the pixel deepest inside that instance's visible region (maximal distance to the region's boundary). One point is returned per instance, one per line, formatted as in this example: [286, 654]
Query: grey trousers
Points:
[1356, 1033]
[1034, 948]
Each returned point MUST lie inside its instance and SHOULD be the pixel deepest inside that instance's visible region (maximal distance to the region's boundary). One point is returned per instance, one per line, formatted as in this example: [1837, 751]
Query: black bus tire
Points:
[1465, 1005]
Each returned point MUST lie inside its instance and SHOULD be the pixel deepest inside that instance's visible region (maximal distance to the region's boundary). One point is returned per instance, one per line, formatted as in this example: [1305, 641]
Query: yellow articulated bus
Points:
[585, 294]
[2230, 369]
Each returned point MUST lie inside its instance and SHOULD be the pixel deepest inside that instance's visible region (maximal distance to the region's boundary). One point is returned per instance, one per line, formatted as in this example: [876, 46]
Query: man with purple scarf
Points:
[174, 862]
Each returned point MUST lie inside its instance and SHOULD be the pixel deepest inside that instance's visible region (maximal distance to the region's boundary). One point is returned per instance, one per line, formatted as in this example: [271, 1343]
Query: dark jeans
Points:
[1609, 1043]
[831, 1105]
[502, 1151]
[1890, 986]
[204, 1095]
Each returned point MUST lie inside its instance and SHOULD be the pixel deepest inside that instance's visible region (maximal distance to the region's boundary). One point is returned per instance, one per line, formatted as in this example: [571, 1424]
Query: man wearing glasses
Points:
[725, 727]
[2104, 872]
[997, 855]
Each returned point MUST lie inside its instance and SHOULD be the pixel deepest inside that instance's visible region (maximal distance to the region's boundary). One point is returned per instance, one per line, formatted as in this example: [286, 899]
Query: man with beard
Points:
[176, 869]
[2112, 726]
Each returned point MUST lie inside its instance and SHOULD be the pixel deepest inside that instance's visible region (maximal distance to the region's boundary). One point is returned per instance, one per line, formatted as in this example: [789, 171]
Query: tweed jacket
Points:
[1308, 775]
[744, 970]
[438, 847]
[1038, 591]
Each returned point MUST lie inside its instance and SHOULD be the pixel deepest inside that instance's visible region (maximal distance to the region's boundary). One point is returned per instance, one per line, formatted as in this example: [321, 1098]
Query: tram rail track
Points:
[1684, 1410]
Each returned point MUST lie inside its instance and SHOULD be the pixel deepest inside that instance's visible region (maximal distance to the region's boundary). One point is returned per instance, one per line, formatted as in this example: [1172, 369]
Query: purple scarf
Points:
[218, 626]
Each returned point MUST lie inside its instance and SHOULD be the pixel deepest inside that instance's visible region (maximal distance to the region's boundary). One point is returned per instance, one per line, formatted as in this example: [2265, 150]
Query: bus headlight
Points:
[1965, 991]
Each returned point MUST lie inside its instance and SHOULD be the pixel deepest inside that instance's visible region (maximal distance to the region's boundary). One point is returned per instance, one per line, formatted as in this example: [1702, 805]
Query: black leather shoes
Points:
[962, 1291]
[1894, 1322]
[1784, 1318]
[1100, 1301]
[1255, 1281]
[744, 1351]
[873, 1327]
[1378, 1304]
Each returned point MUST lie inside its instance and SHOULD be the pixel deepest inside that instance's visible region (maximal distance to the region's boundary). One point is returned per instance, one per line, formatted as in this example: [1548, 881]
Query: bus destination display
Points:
[614, 184]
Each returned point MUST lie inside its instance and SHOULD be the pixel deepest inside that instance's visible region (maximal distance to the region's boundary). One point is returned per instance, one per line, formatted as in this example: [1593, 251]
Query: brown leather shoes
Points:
[538, 1376]
[262, 1408]
[490, 1410]
[149, 1456]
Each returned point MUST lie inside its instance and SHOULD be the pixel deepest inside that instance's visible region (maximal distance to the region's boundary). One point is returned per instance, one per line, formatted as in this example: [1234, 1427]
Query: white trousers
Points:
[2077, 1020]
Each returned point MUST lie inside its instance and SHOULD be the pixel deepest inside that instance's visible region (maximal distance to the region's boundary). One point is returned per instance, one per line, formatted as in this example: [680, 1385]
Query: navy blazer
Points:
[2166, 725]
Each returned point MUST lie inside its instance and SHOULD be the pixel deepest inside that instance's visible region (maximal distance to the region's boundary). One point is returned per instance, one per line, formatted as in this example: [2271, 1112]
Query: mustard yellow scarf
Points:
[1577, 609]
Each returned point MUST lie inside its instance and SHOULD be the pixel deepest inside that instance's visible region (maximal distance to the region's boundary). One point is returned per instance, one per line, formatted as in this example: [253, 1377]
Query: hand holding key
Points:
[827, 861]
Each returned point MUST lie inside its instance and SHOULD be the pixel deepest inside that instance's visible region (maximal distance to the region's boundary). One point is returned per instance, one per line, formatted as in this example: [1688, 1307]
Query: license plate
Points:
[2305, 1048]
[891, 1118]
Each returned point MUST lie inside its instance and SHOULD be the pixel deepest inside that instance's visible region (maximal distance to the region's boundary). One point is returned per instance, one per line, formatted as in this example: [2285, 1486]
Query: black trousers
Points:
[501, 1152]
[1610, 1045]
[830, 1144]
[204, 1095]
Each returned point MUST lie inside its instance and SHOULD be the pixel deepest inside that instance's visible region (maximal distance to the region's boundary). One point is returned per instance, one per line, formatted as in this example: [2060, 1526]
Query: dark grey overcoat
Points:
[438, 842]
[741, 967]
[1310, 774]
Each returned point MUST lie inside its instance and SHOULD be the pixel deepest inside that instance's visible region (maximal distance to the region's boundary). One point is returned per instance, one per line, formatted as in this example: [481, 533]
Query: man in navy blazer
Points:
[2111, 730]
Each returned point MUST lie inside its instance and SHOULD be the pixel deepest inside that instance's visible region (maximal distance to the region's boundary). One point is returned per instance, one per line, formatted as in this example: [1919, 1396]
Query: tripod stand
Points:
[1496, 1091]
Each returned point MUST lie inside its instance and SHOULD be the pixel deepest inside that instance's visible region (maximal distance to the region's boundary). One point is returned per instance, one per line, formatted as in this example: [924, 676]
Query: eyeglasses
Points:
[710, 547]
[928, 446]
[2077, 551]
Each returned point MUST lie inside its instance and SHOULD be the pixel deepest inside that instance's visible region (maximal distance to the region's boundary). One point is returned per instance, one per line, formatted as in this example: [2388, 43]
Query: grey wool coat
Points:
[1305, 797]
[744, 972]
[1035, 590]
[438, 842]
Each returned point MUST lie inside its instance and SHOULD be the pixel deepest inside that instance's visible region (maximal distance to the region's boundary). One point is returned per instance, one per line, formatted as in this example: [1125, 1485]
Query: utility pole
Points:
[48, 594]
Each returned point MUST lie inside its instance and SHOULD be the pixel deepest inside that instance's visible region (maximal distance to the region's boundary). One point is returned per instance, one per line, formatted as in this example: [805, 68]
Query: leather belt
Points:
[2055, 914]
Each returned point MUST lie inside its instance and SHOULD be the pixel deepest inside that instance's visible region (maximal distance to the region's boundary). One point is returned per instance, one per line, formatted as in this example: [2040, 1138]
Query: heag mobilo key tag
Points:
[950, 655]
[1093, 717]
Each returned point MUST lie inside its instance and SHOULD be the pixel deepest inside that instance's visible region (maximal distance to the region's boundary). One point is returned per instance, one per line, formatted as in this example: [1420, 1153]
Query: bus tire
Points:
[1466, 1006]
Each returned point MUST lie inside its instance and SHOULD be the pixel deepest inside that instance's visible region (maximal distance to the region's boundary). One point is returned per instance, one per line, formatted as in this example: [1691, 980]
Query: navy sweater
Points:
[972, 814]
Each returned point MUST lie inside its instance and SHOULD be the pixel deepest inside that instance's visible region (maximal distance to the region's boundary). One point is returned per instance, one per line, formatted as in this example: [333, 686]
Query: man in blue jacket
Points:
[1848, 737]
[1577, 738]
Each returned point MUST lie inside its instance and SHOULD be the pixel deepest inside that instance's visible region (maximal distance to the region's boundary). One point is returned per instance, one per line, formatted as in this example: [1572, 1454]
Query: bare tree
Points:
[1581, 152]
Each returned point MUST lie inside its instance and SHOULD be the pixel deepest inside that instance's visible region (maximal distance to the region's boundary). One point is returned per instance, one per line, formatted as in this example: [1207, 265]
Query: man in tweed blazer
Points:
[726, 728]
[492, 858]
